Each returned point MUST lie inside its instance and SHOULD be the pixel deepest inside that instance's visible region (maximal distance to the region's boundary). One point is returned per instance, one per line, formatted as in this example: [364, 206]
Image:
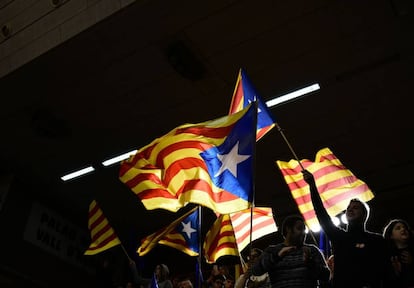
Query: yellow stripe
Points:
[94, 217]
[99, 227]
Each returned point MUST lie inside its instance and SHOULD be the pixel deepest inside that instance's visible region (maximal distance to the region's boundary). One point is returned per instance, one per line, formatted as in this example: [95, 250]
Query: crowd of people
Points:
[359, 258]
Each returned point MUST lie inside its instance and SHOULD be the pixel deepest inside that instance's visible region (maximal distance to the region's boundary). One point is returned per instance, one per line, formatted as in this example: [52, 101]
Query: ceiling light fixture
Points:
[118, 158]
[293, 95]
[77, 173]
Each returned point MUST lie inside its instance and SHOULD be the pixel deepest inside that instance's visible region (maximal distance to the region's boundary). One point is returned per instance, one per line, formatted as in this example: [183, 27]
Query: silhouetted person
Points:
[360, 257]
[246, 280]
[400, 243]
[292, 263]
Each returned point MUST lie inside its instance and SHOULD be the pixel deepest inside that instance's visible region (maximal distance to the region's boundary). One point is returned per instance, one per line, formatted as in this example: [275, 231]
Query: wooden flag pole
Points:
[290, 146]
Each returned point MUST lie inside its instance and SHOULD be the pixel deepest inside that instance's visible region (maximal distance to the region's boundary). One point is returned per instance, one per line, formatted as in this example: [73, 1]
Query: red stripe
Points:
[268, 223]
[348, 194]
[190, 144]
[103, 243]
[125, 166]
[136, 180]
[238, 96]
[208, 132]
[94, 210]
[98, 221]
[318, 174]
[201, 185]
[182, 242]
[342, 182]
[214, 245]
[155, 193]
[220, 235]
[182, 164]
[102, 231]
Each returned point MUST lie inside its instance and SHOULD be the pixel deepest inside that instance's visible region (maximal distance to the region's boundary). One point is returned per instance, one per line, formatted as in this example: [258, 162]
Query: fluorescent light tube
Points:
[118, 158]
[293, 95]
[77, 173]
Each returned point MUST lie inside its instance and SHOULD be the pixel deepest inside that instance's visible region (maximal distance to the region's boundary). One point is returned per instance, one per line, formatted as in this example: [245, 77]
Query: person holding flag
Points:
[360, 258]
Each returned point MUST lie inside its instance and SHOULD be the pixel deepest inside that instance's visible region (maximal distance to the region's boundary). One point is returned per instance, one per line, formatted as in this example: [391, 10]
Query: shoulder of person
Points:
[311, 246]
[375, 236]
[272, 248]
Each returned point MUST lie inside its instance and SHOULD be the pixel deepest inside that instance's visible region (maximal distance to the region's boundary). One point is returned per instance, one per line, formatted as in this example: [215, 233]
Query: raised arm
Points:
[323, 217]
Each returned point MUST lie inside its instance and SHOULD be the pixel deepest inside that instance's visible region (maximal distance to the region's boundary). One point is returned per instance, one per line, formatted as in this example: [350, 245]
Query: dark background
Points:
[159, 64]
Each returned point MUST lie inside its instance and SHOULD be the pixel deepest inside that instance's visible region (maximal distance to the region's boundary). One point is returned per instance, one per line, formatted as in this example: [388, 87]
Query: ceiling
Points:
[159, 64]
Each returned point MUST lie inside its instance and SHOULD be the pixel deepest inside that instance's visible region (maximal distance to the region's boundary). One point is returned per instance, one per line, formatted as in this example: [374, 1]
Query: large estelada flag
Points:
[336, 184]
[103, 236]
[209, 164]
[257, 223]
[244, 94]
[182, 234]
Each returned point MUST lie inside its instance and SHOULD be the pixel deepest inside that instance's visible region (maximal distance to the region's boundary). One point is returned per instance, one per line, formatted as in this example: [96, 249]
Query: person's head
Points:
[357, 212]
[185, 284]
[293, 229]
[162, 272]
[229, 282]
[397, 231]
[218, 281]
[254, 254]
[223, 269]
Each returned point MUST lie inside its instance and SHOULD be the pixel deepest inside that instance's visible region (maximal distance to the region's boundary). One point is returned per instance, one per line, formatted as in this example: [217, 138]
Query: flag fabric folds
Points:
[154, 282]
[263, 224]
[230, 233]
[336, 184]
[245, 93]
[103, 237]
[209, 163]
[220, 240]
[181, 234]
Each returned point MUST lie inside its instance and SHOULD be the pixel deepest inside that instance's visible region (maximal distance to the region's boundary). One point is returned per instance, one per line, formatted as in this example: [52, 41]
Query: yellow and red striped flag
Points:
[336, 184]
[103, 236]
[220, 240]
[263, 224]
[209, 164]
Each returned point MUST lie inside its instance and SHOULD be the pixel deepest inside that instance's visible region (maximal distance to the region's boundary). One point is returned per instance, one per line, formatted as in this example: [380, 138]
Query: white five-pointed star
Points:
[231, 160]
[188, 229]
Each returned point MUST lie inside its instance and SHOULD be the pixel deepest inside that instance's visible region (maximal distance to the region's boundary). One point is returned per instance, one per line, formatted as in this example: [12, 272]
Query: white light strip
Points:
[293, 95]
[77, 173]
[118, 158]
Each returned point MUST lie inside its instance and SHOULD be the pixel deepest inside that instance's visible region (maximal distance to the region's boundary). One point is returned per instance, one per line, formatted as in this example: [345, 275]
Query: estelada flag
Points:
[244, 94]
[182, 234]
[336, 184]
[209, 163]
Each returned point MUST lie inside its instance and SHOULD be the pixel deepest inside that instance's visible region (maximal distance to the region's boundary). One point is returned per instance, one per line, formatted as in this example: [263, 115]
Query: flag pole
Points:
[288, 144]
[126, 253]
[256, 104]
[199, 278]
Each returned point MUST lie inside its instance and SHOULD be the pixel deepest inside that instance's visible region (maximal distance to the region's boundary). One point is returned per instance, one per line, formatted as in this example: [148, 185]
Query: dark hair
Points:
[388, 228]
[364, 206]
[256, 251]
[289, 222]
